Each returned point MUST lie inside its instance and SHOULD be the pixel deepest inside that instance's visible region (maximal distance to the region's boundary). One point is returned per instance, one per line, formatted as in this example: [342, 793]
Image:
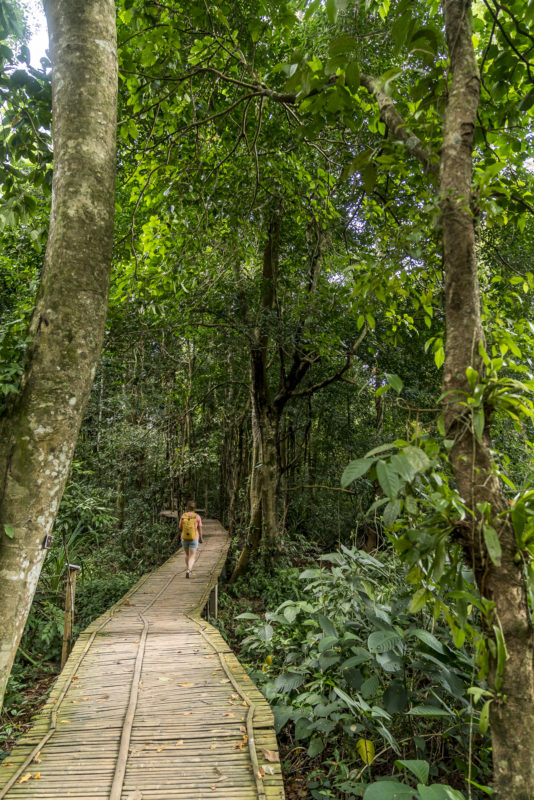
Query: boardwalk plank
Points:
[151, 700]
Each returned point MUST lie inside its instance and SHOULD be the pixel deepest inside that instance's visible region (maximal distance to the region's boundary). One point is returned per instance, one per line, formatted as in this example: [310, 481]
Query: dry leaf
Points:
[213, 746]
[37, 776]
[244, 703]
[187, 713]
[213, 788]
[66, 721]
[37, 757]
[242, 729]
[159, 749]
[270, 755]
[229, 715]
[25, 777]
[268, 770]
[261, 772]
[186, 684]
[75, 678]
[234, 697]
[179, 743]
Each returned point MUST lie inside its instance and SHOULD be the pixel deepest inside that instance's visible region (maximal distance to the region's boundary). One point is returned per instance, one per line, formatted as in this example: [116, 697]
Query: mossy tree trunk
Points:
[39, 430]
[512, 709]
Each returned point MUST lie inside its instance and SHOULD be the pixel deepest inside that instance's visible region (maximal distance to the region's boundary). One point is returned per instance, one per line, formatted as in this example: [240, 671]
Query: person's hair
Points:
[190, 506]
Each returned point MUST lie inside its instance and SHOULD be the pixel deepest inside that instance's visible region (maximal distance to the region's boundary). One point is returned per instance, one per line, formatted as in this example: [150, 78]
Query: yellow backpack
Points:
[189, 527]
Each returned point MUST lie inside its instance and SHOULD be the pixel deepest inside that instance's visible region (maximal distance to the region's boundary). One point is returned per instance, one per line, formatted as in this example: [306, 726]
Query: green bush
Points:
[365, 683]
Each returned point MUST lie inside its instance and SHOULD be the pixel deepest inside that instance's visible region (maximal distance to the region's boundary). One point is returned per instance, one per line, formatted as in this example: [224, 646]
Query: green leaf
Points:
[429, 711]
[383, 641]
[493, 545]
[417, 767]
[395, 697]
[331, 11]
[315, 747]
[366, 750]
[400, 463]
[344, 44]
[10, 532]
[419, 599]
[388, 790]
[395, 382]
[369, 178]
[439, 357]
[483, 722]
[391, 512]
[478, 422]
[369, 687]
[417, 458]
[352, 76]
[388, 479]
[439, 791]
[429, 639]
[355, 470]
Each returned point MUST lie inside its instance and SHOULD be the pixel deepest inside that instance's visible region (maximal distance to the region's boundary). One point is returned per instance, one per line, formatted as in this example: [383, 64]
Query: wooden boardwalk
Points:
[152, 705]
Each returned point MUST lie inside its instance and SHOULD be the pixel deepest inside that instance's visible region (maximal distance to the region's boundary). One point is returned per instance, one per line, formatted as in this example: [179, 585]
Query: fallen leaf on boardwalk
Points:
[179, 743]
[163, 677]
[261, 772]
[186, 684]
[6, 764]
[25, 777]
[213, 788]
[234, 697]
[225, 680]
[159, 749]
[75, 678]
[242, 729]
[37, 776]
[270, 755]
[66, 721]
[269, 770]
[135, 795]
[244, 703]
[127, 602]
[226, 715]
[86, 698]
[187, 713]
[213, 746]
[37, 757]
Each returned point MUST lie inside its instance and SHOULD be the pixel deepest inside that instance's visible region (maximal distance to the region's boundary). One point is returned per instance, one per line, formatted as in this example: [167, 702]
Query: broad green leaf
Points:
[366, 750]
[355, 470]
[395, 697]
[483, 722]
[315, 747]
[395, 382]
[388, 479]
[388, 790]
[493, 544]
[344, 44]
[370, 687]
[383, 641]
[417, 458]
[391, 512]
[427, 638]
[417, 767]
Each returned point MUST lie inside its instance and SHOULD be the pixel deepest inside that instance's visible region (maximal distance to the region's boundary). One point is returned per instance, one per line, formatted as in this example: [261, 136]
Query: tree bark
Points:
[512, 710]
[39, 430]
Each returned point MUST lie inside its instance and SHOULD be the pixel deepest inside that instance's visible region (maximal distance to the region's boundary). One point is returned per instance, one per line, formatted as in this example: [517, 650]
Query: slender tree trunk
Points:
[39, 431]
[254, 531]
[512, 710]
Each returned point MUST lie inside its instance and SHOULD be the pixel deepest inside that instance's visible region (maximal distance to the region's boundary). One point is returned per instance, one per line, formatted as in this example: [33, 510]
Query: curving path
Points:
[152, 705]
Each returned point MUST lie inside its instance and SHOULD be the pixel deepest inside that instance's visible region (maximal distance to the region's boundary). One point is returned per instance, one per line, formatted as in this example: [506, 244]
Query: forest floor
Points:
[30, 700]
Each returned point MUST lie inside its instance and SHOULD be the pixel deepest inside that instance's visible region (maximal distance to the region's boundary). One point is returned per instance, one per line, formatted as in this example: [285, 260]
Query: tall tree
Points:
[40, 426]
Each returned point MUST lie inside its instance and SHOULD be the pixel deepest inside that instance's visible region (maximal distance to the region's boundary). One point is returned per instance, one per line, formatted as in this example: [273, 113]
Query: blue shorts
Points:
[190, 545]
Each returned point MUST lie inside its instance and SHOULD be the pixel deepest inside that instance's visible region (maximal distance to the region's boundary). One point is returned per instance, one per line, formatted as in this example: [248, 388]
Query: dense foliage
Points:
[277, 280]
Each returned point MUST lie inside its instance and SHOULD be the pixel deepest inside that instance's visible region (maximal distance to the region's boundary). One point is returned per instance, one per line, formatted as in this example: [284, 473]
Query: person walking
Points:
[190, 527]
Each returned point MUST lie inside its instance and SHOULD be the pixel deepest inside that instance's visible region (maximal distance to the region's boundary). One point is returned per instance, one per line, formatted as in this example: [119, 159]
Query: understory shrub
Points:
[377, 694]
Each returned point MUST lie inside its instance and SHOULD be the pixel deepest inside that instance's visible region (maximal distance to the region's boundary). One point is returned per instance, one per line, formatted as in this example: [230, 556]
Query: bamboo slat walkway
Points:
[152, 705]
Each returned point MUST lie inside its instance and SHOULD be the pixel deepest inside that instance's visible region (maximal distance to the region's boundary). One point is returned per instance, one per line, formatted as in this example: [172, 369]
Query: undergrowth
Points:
[369, 699]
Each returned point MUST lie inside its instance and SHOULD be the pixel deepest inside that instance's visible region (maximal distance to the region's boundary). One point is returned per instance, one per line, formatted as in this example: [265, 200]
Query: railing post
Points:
[70, 592]
[213, 601]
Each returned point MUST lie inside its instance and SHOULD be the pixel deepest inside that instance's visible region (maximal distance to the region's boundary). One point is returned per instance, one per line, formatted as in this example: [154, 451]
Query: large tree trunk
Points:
[39, 431]
[512, 710]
